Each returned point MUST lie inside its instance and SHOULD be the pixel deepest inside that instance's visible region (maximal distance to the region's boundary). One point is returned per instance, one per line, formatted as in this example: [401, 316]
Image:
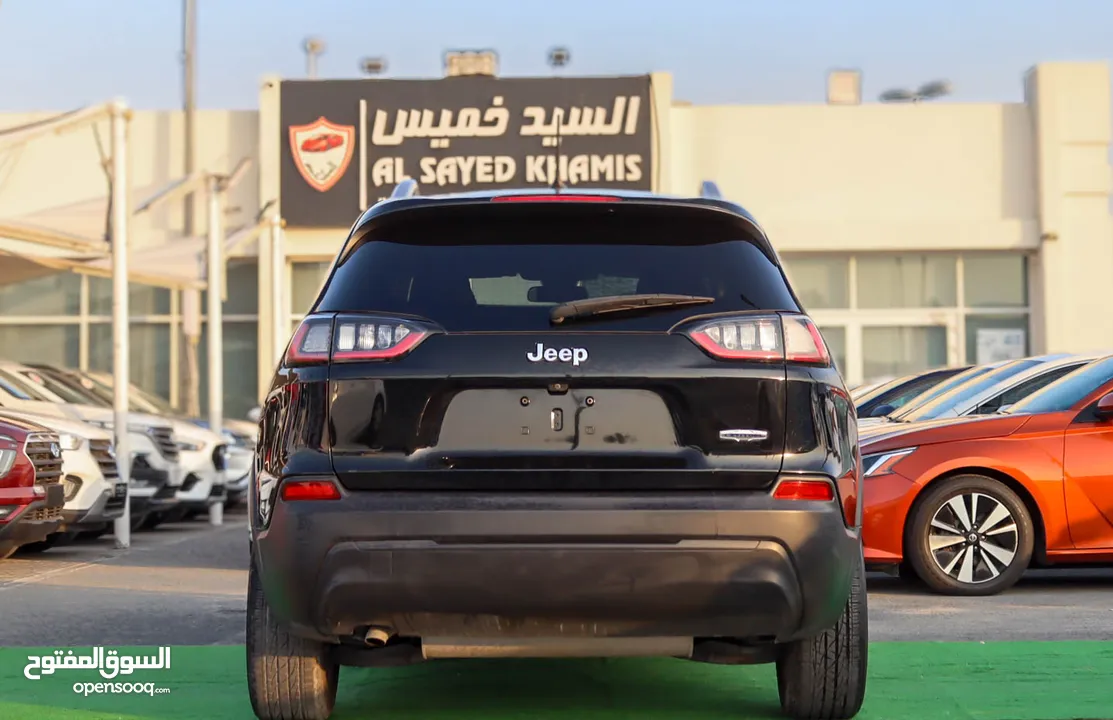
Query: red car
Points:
[31, 493]
[968, 505]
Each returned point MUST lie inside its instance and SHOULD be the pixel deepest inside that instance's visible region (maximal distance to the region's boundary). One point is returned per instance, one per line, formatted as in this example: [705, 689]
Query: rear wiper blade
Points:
[621, 303]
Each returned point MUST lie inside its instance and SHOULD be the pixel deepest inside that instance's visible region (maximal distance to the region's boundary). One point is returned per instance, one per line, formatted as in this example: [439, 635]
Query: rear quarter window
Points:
[481, 268]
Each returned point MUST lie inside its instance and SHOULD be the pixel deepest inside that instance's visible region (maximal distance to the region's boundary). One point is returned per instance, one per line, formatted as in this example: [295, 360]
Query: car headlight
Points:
[188, 446]
[882, 463]
[68, 441]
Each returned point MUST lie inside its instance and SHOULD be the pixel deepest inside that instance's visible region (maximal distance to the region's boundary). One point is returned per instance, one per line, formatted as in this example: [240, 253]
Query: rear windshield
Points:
[482, 268]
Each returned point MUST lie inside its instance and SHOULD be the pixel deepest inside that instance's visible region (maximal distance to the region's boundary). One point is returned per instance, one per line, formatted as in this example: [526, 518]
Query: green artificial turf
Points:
[908, 681]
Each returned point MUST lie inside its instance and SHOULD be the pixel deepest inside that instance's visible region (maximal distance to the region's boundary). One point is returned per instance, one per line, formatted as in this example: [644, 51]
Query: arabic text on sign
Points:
[110, 663]
[492, 122]
[469, 122]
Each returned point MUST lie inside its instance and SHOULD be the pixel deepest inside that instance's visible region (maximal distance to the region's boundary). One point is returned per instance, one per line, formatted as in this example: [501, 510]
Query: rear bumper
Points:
[557, 565]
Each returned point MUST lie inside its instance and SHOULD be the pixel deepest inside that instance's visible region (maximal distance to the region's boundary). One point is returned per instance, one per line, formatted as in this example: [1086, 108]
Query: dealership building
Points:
[917, 234]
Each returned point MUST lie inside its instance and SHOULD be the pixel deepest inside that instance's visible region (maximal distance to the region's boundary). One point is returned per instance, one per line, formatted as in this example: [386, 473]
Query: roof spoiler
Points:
[708, 189]
[406, 188]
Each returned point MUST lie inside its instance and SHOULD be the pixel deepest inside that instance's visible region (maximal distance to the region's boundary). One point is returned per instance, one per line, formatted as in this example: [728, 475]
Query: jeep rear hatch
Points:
[545, 346]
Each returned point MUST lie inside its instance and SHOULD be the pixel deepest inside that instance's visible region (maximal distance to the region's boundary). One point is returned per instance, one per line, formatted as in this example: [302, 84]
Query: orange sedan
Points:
[968, 505]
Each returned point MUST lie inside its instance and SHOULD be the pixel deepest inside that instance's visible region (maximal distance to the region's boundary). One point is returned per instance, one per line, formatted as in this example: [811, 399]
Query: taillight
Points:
[311, 343]
[805, 489]
[762, 338]
[374, 338]
[310, 490]
[350, 338]
[555, 198]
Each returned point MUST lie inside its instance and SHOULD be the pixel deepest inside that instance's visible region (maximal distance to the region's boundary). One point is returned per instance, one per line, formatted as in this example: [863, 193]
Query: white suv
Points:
[156, 470]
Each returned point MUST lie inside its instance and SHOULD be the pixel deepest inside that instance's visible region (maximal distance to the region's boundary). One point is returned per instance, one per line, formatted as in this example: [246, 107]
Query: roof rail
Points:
[406, 188]
[708, 189]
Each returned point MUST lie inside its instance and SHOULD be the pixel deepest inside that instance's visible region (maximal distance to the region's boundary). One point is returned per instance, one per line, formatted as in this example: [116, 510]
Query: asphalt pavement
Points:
[184, 584]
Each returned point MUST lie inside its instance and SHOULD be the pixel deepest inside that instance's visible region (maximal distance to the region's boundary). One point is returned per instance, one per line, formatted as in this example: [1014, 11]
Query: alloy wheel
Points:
[973, 537]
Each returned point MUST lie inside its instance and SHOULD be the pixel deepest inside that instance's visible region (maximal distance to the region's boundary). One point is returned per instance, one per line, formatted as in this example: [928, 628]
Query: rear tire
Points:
[288, 677]
[824, 677]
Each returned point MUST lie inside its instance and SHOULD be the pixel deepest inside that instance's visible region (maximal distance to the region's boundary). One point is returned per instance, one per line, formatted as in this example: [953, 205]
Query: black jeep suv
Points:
[556, 424]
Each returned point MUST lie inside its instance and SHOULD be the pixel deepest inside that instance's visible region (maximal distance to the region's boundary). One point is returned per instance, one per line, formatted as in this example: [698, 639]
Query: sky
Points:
[62, 54]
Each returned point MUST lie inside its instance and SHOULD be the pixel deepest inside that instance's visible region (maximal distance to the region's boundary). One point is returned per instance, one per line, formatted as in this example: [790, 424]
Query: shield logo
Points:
[322, 151]
[55, 450]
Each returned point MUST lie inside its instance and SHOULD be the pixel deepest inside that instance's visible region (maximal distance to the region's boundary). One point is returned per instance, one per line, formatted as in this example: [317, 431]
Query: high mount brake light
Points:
[810, 489]
[555, 198]
[765, 338]
[351, 339]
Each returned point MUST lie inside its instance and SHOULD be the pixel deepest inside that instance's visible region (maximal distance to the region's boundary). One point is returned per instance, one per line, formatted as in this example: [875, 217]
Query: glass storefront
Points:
[42, 320]
[890, 314]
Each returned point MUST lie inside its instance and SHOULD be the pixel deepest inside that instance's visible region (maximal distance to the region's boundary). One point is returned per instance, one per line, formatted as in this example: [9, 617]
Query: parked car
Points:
[202, 453]
[955, 401]
[988, 393]
[239, 448]
[969, 504]
[94, 493]
[31, 496]
[891, 396]
[241, 432]
[885, 414]
[156, 471]
[647, 452]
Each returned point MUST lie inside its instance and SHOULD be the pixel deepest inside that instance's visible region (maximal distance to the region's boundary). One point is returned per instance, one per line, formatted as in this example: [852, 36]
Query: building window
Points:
[143, 300]
[888, 314]
[241, 372]
[306, 279]
[996, 280]
[907, 281]
[820, 282]
[896, 351]
[148, 356]
[835, 338]
[996, 337]
[49, 344]
[58, 294]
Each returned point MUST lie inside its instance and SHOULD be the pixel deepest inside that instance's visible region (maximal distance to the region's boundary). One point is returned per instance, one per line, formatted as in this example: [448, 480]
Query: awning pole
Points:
[120, 351]
[278, 283]
[215, 280]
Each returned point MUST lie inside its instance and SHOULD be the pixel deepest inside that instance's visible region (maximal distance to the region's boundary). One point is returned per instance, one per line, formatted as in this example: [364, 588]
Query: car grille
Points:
[105, 457]
[163, 438]
[166, 491]
[41, 514]
[40, 450]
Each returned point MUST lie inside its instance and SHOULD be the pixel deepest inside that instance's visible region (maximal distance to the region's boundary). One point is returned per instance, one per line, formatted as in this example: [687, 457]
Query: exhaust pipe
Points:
[443, 648]
[377, 636]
